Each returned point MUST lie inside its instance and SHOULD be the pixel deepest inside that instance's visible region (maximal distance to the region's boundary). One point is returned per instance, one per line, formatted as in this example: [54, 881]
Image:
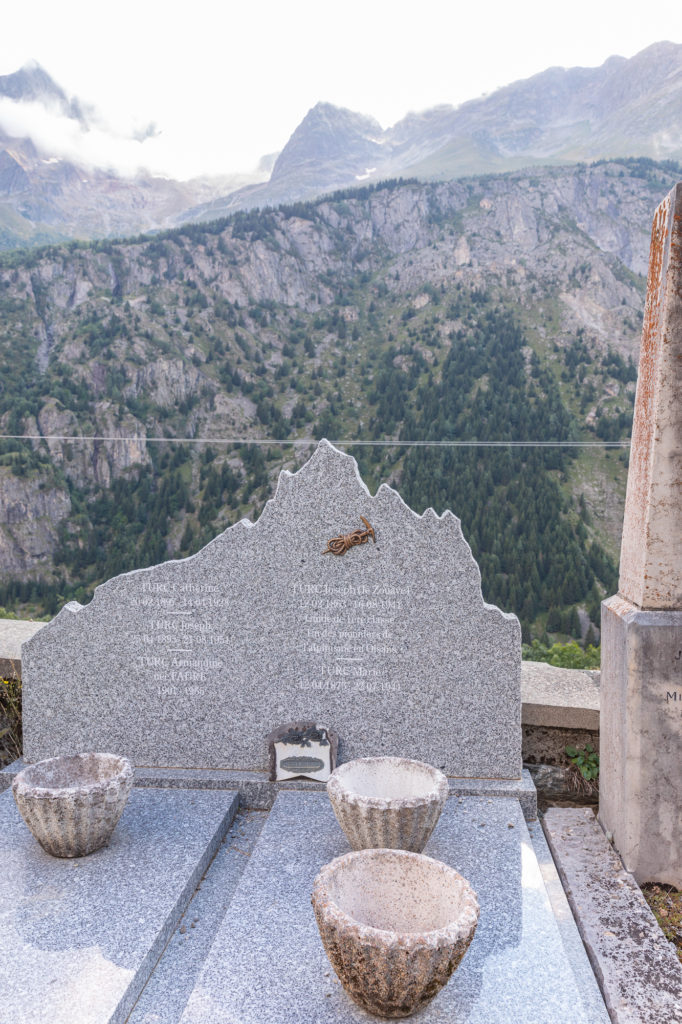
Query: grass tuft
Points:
[10, 720]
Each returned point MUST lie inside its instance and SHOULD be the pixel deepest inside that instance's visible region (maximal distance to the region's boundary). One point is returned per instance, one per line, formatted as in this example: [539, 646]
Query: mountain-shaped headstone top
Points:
[192, 663]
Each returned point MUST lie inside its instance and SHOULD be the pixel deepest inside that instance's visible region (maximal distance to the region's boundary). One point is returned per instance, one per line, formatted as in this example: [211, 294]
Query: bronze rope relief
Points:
[345, 541]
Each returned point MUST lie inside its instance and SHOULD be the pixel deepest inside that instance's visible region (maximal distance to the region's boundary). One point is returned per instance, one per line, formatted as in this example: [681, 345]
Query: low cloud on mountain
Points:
[88, 143]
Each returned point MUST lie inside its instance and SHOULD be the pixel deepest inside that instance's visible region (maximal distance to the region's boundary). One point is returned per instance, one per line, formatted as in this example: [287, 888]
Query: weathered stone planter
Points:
[73, 804]
[395, 925]
[388, 802]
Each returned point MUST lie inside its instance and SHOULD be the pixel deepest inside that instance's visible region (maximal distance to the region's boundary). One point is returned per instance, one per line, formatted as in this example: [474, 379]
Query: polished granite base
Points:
[79, 938]
[257, 792]
[525, 965]
[103, 940]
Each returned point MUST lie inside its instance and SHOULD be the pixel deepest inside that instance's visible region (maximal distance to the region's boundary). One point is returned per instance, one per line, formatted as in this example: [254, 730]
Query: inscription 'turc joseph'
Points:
[391, 642]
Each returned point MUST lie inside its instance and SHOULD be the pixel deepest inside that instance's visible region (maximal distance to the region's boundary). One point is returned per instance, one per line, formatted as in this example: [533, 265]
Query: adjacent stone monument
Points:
[334, 607]
[641, 679]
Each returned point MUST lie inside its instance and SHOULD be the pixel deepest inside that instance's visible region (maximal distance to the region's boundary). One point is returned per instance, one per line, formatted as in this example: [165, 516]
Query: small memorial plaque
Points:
[302, 750]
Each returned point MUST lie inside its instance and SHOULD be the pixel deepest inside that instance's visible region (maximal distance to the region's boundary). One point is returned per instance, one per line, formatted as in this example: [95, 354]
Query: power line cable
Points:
[313, 441]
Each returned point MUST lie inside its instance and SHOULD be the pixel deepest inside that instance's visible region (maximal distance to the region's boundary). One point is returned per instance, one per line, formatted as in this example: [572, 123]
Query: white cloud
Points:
[230, 82]
[96, 144]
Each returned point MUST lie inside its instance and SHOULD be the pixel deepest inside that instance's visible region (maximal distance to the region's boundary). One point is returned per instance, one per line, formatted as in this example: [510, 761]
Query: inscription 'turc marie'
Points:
[345, 541]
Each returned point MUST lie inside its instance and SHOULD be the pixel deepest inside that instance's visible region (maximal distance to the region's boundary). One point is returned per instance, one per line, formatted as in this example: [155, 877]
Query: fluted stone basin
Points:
[72, 804]
[395, 925]
[388, 802]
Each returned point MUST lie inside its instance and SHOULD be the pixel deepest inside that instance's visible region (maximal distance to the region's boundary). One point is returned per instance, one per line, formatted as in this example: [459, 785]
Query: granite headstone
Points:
[191, 663]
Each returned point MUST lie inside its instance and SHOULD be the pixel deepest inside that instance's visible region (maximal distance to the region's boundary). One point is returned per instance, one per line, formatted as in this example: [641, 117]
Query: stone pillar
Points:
[641, 679]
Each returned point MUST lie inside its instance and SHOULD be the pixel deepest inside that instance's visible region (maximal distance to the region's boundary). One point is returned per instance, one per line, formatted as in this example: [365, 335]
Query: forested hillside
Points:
[504, 308]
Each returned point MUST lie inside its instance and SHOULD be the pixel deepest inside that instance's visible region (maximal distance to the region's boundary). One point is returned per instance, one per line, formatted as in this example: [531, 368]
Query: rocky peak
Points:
[33, 84]
[330, 138]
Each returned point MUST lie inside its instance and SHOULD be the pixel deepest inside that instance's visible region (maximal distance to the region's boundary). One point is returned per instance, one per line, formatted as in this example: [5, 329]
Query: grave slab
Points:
[165, 995]
[640, 973]
[390, 644]
[80, 937]
[566, 923]
[267, 962]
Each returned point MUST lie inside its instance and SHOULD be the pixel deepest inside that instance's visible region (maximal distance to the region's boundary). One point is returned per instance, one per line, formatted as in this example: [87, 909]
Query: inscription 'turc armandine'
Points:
[191, 663]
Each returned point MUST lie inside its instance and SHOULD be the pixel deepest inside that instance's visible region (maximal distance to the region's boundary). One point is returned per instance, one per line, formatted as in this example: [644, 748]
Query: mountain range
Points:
[487, 308]
[624, 108]
[477, 273]
[560, 116]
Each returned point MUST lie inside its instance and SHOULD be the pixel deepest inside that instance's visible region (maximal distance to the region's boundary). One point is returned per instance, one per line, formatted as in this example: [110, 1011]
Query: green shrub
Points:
[586, 761]
[570, 655]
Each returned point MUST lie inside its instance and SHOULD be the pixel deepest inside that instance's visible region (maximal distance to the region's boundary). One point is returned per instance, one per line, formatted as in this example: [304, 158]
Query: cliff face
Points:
[30, 513]
[276, 324]
[546, 219]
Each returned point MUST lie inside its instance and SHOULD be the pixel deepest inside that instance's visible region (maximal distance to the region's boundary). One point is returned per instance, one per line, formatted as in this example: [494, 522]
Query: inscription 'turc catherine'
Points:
[191, 663]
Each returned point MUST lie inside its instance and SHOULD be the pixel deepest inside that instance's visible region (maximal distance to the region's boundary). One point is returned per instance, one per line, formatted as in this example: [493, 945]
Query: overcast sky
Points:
[226, 83]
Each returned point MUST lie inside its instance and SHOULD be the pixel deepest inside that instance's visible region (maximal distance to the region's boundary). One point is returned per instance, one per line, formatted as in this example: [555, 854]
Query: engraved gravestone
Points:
[192, 663]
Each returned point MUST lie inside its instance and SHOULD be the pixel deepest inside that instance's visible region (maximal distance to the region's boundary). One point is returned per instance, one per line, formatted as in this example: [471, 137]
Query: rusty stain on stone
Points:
[643, 426]
[650, 572]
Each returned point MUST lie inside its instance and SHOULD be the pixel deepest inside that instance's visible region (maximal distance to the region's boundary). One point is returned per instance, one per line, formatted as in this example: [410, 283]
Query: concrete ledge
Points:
[559, 698]
[258, 793]
[13, 633]
[638, 970]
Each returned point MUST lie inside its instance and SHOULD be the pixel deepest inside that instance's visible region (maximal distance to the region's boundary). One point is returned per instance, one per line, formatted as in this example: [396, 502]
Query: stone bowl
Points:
[72, 804]
[388, 802]
[394, 925]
